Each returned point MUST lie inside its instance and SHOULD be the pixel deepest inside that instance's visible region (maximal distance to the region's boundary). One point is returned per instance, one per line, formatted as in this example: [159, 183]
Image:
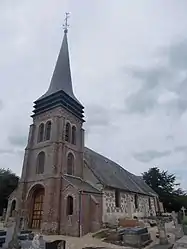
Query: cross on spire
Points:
[66, 25]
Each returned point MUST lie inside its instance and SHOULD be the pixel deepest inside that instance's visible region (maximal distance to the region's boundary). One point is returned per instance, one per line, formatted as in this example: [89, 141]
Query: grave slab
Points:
[181, 243]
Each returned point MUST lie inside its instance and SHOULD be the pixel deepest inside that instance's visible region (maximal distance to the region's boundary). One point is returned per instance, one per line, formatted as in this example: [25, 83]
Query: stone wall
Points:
[69, 224]
[146, 206]
[127, 206]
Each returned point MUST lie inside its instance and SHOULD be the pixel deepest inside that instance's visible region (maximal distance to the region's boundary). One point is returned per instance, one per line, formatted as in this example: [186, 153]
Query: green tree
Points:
[8, 182]
[164, 184]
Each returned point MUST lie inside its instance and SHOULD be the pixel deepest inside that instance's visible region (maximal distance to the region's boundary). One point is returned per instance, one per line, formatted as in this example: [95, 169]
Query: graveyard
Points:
[160, 232]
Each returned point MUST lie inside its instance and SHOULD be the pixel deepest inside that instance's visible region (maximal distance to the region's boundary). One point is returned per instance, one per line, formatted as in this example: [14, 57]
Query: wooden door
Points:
[37, 211]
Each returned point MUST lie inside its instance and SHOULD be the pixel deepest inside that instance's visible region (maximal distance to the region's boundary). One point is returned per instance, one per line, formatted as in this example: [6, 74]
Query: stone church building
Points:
[65, 187]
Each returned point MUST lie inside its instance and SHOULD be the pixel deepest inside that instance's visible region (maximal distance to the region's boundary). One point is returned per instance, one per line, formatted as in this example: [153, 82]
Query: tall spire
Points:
[60, 91]
[61, 79]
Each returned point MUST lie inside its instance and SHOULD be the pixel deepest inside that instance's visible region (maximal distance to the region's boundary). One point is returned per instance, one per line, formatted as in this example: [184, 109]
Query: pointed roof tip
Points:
[61, 78]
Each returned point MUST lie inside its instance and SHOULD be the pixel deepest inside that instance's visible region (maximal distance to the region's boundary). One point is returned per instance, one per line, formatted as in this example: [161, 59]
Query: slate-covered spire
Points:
[60, 91]
[61, 79]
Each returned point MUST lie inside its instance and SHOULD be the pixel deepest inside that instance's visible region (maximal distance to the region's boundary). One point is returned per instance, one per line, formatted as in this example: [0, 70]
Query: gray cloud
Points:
[6, 151]
[177, 54]
[150, 77]
[168, 78]
[1, 105]
[140, 102]
[182, 148]
[169, 137]
[148, 156]
[97, 116]
[17, 140]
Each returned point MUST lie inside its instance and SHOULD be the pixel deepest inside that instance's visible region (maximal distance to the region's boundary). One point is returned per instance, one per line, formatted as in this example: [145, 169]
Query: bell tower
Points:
[55, 144]
[57, 124]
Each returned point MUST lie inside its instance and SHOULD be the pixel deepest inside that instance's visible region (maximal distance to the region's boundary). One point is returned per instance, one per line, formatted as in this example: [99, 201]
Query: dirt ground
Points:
[79, 243]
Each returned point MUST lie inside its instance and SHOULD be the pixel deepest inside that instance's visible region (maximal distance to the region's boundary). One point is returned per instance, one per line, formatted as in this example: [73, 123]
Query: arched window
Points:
[73, 136]
[13, 207]
[40, 163]
[136, 201]
[68, 132]
[48, 130]
[69, 208]
[41, 133]
[70, 164]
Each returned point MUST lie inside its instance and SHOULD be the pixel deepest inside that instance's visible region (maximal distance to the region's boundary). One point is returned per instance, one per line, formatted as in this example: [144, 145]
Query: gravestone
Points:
[11, 240]
[4, 214]
[11, 224]
[162, 232]
[180, 217]
[39, 243]
[178, 230]
[174, 218]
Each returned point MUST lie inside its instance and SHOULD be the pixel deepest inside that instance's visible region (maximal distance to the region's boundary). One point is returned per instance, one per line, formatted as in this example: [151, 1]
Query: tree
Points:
[8, 182]
[164, 184]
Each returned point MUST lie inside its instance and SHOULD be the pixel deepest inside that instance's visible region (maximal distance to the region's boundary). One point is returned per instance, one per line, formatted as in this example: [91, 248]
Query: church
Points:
[65, 187]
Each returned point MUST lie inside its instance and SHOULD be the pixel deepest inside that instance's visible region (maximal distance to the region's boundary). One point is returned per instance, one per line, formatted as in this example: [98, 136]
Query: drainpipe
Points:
[60, 197]
[60, 200]
[80, 213]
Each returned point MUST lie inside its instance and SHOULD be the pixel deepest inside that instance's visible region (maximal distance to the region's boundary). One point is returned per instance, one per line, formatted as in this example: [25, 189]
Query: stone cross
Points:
[174, 217]
[183, 210]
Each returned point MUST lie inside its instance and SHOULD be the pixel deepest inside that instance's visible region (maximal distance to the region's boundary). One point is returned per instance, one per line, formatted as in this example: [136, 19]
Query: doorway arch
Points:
[37, 198]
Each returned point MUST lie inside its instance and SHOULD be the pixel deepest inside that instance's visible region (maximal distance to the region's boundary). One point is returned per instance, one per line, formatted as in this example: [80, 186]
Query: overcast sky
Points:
[129, 69]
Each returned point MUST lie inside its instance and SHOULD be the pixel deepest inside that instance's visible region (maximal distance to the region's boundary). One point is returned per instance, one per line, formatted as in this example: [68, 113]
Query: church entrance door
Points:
[37, 211]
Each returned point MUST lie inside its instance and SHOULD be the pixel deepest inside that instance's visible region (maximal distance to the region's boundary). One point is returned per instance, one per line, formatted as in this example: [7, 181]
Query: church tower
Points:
[56, 135]
[54, 150]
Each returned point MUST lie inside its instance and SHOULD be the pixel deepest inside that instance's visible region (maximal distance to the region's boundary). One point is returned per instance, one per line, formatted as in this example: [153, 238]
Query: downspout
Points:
[60, 199]
[80, 213]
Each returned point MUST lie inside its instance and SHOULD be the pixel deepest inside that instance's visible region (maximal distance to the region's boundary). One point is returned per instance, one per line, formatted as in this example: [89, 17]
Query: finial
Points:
[66, 25]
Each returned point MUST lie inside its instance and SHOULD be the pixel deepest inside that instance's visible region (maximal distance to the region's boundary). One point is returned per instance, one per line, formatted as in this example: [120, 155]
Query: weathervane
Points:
[66, 25]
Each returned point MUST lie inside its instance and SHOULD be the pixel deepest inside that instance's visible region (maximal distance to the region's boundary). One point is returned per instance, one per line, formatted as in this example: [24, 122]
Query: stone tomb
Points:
[136, 237]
